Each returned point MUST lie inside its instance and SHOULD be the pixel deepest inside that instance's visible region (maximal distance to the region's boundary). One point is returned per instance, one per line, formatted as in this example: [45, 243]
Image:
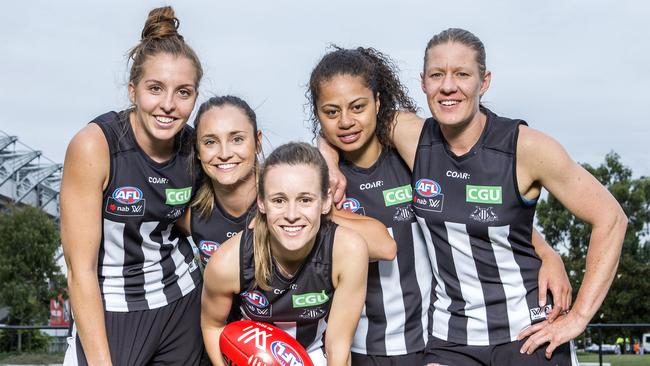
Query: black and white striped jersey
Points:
[210, 232]
[394, 318]
[478, 231]
[299, 305]
[144, 262]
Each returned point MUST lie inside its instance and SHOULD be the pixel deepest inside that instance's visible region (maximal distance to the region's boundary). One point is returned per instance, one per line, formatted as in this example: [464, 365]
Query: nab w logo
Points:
[537, 314]
[252, 333]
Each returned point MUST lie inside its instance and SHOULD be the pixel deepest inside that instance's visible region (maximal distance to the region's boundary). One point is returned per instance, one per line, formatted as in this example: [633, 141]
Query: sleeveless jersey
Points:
[394, 319]
[478, 230]
[299, 305]
[210, 232]
[144, 262]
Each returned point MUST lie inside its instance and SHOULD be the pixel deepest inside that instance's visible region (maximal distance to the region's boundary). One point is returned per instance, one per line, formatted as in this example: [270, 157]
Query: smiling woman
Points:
[296, 262]
[131, 274]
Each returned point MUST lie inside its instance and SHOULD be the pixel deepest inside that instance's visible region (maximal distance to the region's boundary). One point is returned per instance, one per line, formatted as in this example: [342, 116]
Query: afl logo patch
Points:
[255, 298]
[427, 187]
[285, 354]
[208, 247]
[127, 195]
[351, 204]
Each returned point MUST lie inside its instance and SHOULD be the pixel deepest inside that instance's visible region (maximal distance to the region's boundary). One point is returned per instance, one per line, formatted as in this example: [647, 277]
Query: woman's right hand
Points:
[338, 182]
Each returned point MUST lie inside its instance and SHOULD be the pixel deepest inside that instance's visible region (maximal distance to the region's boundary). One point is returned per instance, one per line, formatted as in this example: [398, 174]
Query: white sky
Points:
[577, 70]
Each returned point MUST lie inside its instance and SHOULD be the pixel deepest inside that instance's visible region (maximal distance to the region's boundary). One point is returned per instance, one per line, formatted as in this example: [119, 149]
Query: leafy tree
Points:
[28, 272]
[626, 301]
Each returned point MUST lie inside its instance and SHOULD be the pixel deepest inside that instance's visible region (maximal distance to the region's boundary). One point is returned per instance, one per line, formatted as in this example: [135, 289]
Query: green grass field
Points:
[30, 358]
[616, 360]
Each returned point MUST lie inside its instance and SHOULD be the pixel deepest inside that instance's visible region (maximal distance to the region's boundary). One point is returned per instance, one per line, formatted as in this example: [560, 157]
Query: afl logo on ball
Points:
[127, 195]
[285, 354]
[427, 188]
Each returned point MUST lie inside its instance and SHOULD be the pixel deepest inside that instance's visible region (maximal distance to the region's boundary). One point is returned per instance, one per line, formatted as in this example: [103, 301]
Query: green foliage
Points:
[32, 340]
[627, 300]
[28, 272]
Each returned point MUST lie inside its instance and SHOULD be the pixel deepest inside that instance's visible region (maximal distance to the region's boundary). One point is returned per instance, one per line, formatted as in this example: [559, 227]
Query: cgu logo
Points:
[483, 194]
[285, 354]
[127, 195]
[208, 247]
[256, 299]
[351, 205]
[309, 299]
[427, 187]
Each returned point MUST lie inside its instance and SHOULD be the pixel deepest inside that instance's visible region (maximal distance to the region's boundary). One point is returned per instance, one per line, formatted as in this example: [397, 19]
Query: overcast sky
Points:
[576, 70]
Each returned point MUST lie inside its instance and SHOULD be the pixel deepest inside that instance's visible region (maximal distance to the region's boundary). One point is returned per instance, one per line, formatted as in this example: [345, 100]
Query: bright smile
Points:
[449, 102]
[226, 167]
[292, 230]
[350, 138]
[165, 121]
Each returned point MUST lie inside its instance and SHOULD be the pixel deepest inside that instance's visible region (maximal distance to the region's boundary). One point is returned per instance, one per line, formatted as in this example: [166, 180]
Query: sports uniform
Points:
[478, 230]
[148, 279]
[299, 305]
[210, 232]
[394, 319]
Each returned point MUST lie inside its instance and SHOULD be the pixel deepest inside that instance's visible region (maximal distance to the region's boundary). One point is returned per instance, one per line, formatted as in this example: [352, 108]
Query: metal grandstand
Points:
[27, 177]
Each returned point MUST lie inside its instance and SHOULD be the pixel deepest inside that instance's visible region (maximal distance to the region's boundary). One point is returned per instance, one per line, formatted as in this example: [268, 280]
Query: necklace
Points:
[283, 271]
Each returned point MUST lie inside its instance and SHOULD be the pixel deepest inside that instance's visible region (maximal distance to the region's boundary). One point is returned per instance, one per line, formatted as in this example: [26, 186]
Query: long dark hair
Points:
[378, 72]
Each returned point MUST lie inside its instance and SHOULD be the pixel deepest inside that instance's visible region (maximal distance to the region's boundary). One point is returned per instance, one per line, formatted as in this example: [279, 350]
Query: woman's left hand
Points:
[552, 276]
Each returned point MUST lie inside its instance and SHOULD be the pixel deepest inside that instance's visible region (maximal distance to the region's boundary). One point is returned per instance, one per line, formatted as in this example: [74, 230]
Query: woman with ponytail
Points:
[134, 285]
[228, 142]
[293, 251]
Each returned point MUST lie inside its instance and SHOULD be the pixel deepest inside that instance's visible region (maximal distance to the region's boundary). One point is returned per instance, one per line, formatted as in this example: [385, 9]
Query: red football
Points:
[247, 342]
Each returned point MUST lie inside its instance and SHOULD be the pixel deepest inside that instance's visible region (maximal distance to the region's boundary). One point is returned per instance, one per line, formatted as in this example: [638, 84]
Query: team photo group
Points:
[393, 239]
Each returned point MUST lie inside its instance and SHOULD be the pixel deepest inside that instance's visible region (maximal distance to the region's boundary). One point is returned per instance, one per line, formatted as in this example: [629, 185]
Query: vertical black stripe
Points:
[375, 311]
[132, 270]
[412, 297]
[529, 264]
[448, 274]
[306, 333]
[494, 295]
[170, 278]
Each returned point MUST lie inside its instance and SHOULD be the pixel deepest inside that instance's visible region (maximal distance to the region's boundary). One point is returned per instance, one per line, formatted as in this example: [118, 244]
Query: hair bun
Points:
[161, 23]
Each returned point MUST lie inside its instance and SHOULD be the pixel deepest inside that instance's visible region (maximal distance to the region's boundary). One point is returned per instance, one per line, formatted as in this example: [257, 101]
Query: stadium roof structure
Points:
[27, 177]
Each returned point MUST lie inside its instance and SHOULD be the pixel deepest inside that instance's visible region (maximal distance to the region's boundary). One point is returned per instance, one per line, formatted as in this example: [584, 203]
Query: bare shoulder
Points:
[89, 140]
[223, 267]
[539, 153]
[87, 161]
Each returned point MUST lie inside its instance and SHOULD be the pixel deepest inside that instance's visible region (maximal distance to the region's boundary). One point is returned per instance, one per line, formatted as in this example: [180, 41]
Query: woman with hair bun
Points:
[134, 285]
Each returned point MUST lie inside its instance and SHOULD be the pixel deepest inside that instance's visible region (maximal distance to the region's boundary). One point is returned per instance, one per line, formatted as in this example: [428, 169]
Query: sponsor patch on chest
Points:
[126, 201]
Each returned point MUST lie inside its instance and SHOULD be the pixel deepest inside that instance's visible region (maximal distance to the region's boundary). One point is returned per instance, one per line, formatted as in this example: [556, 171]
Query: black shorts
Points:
[170, 335]
[415, 359]
[453, 354]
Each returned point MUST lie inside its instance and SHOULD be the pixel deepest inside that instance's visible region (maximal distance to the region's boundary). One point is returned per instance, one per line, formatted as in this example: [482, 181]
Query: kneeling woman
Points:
[294, 250]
